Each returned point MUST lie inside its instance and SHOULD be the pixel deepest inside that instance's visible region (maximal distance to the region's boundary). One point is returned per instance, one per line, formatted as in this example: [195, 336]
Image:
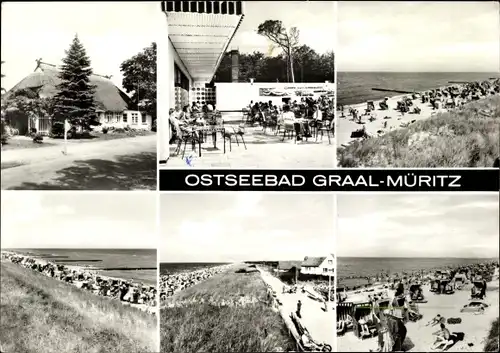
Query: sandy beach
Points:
[419, 337]
[385, 120]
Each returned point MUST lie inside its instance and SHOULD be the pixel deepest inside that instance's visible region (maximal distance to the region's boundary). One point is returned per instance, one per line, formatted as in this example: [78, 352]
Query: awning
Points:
[201, 38]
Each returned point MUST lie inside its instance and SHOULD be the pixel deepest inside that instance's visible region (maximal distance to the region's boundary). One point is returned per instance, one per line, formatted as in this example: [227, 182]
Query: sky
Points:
[314, 19]
[418, 36]
[421, 225]
[111, 33]
[245, 226]
[78, 220]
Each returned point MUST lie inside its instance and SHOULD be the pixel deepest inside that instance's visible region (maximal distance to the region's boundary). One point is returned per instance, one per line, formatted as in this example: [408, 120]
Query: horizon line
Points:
[71, 248]
[419, 257]
[435, 71]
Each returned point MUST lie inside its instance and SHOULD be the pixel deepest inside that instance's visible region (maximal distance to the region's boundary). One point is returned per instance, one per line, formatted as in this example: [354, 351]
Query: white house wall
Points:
[173, 57]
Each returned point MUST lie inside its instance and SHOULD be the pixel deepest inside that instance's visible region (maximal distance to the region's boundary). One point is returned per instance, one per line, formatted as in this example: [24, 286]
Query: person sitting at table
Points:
[195, 107]
[300, 128]
[184, 114]
[176, 124]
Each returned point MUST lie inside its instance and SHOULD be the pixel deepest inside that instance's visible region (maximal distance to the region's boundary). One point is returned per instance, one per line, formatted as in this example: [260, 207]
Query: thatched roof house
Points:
[323, 265]
[114, 107]
[45, 78]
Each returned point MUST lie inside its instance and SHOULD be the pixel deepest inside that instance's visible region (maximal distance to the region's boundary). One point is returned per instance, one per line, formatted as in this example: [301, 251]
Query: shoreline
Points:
[171, 284]
[391, 119]
[138, 294]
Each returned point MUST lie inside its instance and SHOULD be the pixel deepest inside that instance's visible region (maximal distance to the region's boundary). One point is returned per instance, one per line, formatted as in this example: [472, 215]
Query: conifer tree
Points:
[75, 99]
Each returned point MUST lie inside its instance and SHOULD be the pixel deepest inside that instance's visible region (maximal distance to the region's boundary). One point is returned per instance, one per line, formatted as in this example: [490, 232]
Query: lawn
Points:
[42, 315]
[208, 326]
[466, 137]
[23, 143]
[99, 136]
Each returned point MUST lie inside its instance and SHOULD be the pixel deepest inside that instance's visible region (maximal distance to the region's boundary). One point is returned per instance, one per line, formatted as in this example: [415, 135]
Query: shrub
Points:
[105, 130]
[37, 138]
[57, 129]
[491, 344]
[5, 132]
[153, 126]
[120, 130]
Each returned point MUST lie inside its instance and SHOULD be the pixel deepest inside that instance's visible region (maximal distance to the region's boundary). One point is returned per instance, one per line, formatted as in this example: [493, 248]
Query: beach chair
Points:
[361, 310]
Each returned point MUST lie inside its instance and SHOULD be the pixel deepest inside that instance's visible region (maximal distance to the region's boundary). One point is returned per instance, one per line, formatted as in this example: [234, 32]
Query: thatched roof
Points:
[313, 261]
[45, 79]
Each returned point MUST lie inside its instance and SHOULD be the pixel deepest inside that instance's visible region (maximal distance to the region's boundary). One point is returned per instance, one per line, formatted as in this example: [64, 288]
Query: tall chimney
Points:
[235, 65]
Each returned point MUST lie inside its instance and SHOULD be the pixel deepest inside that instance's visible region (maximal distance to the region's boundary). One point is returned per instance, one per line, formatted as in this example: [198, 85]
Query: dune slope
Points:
[39, 314]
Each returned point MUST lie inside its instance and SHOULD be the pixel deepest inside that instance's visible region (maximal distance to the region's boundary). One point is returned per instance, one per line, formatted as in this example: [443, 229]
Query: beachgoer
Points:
[299, 306]
[442, 337]
[435, 321]
[363, 322]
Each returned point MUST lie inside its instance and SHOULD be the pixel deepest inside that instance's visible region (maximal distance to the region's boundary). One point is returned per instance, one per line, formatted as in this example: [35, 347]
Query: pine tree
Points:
[75, 99]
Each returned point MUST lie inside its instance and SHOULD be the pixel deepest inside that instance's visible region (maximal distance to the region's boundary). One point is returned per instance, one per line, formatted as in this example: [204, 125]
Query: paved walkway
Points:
[265, 150]
[103, 165]
[319, 323]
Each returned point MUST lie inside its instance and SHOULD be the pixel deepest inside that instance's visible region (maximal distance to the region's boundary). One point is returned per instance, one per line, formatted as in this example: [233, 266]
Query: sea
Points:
[170, 268]
[134, 264]
[356, 87]
[372, 266]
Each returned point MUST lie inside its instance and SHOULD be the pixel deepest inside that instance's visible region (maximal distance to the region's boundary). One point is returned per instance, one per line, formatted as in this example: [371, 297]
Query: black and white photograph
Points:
[247, 272]
[79, 95]
[250, 84]
[418, 84]
[417, 272]
[78, 272]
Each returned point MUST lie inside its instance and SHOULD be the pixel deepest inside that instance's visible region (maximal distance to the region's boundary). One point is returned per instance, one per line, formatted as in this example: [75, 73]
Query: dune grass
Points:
[42, 315]
[492, 341]
[208, 327]
[467, 137]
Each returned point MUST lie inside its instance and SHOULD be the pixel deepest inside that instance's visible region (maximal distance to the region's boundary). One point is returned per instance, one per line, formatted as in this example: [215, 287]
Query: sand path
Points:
[319, 323]
[419, 337]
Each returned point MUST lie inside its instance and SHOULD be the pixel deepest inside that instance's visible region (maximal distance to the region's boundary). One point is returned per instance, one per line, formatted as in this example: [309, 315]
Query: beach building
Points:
[320, 266]
[198, 35]
[114, 107]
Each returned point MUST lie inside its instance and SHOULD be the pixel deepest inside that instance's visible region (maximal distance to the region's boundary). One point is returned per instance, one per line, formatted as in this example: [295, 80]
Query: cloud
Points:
[245, 225]
[31, 219]
[407, 225]
[432, 36]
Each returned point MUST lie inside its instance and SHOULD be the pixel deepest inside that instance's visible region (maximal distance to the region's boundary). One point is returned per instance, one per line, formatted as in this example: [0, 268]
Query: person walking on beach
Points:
[299, 306]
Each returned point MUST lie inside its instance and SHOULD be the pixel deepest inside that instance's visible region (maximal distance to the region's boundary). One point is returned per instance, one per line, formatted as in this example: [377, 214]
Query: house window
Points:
[330, 262]
[108, 118]
[125, 117]
[325, 270]
[143, 118]
[135, 118]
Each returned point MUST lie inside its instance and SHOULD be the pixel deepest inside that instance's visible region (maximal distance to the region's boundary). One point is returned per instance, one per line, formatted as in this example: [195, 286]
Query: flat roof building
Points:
[198, 35]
